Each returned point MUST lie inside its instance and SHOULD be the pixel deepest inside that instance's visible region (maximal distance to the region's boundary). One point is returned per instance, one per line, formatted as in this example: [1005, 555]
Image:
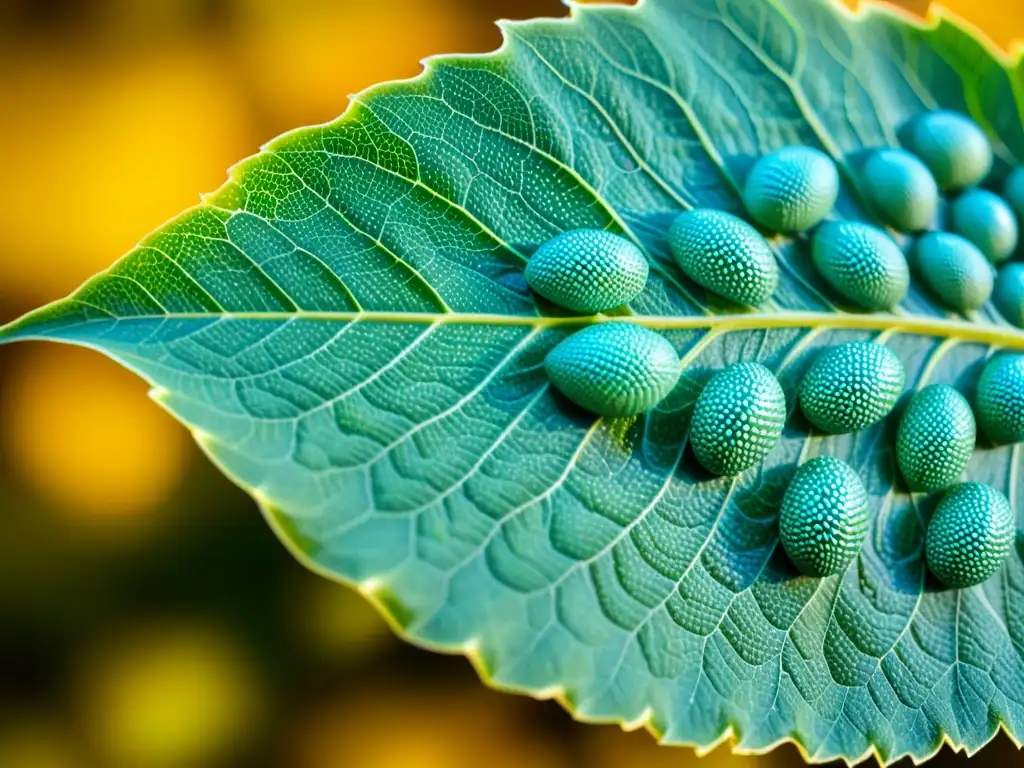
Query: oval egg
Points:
[862, 263]
[987, 221]
[936, 438]
[824, 517]
[901, 189]
[954, 270]
[969, 535]
[954, 148]
[999, 402]
[725, 255]
[738, 418]
[791, 189]
[587, 270]
[1013, 191]
[614, 369]
[1008, 293]
[851, 386]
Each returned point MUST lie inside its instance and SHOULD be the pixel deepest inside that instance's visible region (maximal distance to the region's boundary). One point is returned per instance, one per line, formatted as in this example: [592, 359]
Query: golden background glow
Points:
[150, 620]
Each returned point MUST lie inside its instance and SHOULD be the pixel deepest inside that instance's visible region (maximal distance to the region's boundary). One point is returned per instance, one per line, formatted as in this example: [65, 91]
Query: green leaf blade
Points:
[345, 328]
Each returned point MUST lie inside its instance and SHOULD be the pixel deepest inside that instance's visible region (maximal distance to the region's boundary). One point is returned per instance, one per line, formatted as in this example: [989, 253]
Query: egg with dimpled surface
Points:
[824, 517]
[851, 386]
[901, 189]
[725, 255]
[986, 220]
[954, 270]
[792, 189]
[999, 401]
[954, 148]
[969, 535]
[862, 263]
[936, 438]
[587, 270]
[738, 418]
[614, 369]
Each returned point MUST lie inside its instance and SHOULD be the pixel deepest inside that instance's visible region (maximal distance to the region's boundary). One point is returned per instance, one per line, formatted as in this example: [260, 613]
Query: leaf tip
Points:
[25, 327]
[65, 320]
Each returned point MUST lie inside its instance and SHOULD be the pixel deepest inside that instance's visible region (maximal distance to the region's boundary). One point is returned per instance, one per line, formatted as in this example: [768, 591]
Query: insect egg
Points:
[791, 189]
[902, 189]
[1000, 399]
[587, 270]
[1008, 294]
[738, 418]
[862, 263]
[970, 535]
[851, 386]
[614, 369]
[987, 221]
[725, 255]
[824, 516]
[953, 147]
[935, 438]
[1013, 191]
[954, 270]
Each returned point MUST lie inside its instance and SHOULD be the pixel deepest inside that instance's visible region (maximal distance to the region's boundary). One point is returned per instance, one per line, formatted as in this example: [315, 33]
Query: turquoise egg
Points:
[969, 536]
[824, 517]
[614, 369]
[954, 270]
[1013, 191]
[936, 438]
[954, 148]
[862, 263]
[851, 386]
[587, 270]
[1008, 294]
[901, 189]
[987, 221]
[725, 255]
[999, 403]
[738, 418]
[791, 189]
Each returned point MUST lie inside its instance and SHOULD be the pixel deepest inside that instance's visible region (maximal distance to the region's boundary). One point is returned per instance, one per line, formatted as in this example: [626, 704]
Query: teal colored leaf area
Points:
[346, 328]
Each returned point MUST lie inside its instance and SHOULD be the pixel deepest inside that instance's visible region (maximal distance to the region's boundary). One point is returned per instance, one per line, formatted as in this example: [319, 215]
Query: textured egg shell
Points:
[791, 189]
[862, 263]
[851, 386]
[725, 255]
[954, 270]
[738, 418]
[999, 403]
[970, 535]
[587, 270]
[902, 189]
[824, 517]
[614, 369]
[936, 438]
[954, 148]
[987, 221]
[1013, 191]
[1008, 294]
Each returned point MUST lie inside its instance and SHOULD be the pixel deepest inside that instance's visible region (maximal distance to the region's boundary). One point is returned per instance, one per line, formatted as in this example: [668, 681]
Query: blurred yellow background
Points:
[148, 619]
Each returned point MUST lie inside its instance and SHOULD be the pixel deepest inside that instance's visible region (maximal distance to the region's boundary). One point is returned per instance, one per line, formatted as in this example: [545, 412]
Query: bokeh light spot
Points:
[104, 146]
[168, 697]
[33, 742]
[420, 729]
[82, 433]
[339, 624]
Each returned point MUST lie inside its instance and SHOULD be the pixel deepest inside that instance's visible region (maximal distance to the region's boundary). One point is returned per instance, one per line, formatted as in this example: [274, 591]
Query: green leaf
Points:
[345, 327]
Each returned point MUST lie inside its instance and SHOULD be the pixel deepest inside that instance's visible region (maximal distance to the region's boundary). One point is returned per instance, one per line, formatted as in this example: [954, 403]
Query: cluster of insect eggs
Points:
[619, 369]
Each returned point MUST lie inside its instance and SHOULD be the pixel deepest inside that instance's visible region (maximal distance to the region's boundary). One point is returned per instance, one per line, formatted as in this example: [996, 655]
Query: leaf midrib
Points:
[960, 330]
